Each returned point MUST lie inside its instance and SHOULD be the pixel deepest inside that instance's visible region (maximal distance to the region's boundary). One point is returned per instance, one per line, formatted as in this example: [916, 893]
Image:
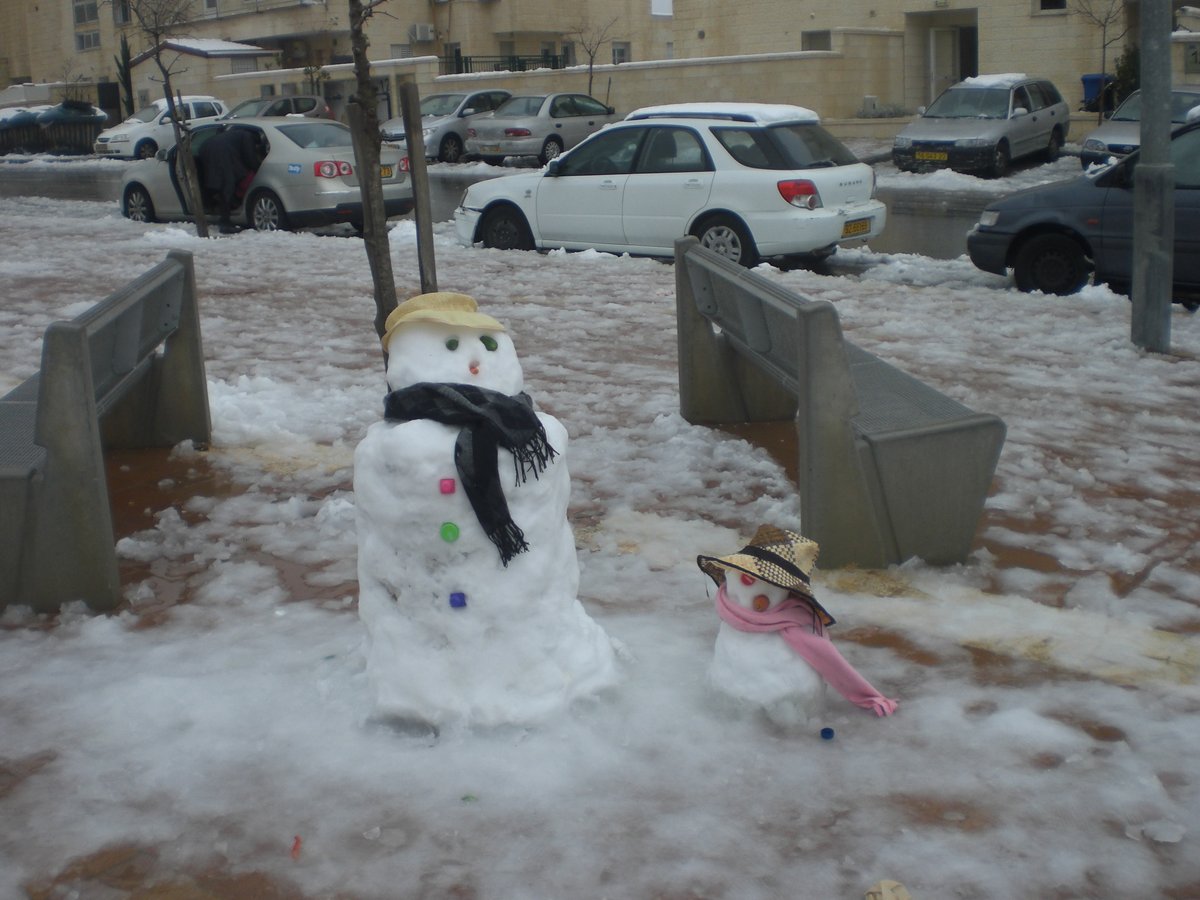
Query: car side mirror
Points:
[553, 166]
[161, 155]
[921, 110]
[1020, 111]
[469, 111]
[1193, 115]
[612, 110]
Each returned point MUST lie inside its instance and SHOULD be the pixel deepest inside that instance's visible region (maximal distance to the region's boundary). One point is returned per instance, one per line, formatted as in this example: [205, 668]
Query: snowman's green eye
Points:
[489, 342]
[452, 344]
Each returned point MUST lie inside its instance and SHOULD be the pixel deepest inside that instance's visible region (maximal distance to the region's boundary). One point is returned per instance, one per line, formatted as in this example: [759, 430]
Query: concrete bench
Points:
[103, 383]
[889, 467]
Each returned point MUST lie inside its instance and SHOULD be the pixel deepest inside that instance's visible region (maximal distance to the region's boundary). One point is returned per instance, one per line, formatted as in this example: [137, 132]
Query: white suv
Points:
[750, 180]
[149, 129]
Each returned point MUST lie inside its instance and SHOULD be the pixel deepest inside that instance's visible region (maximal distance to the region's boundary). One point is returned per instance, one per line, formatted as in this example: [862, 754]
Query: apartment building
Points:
[847, 54]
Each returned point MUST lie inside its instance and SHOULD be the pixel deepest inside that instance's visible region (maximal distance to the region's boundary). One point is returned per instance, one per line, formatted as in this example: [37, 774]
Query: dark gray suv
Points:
[982, 124]
[1055, 237]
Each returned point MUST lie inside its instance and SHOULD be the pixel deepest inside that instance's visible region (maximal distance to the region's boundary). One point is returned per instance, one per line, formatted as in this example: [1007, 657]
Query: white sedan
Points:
[307, 178]
[750, 180]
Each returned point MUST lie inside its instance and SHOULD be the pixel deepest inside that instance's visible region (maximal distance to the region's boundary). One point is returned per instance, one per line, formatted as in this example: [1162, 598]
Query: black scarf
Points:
[489, 420]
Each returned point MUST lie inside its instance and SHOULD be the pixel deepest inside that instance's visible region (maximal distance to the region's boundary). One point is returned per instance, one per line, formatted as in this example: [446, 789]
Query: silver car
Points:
[1122, 133]
[982, 124]
[445, 119]
[542, 125]
[307, 178]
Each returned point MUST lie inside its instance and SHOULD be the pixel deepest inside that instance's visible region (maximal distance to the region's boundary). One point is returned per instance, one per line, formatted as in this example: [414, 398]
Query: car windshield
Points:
[520, 106]
[249, 108]
[1181, 104]
[967, 103]
[317, 134]
[782, 147]
[146, 114]
[441, 104]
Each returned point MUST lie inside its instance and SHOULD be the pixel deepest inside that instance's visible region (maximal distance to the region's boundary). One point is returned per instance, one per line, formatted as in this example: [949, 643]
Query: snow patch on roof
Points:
[1003, 80]
[763, 113]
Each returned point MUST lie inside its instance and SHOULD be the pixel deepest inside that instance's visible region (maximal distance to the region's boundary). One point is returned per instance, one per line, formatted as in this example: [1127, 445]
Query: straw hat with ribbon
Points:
[445, 307]
[776, 556]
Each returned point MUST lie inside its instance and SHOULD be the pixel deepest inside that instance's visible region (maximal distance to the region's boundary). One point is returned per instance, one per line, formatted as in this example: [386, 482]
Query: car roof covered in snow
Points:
[758, 113]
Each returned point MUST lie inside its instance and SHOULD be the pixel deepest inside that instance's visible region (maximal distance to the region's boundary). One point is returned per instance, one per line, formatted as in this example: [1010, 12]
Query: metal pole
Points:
[1154, 188]
[410, 109]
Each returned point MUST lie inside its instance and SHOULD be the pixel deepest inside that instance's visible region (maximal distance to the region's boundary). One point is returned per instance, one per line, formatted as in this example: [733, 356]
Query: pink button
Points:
[446, 485]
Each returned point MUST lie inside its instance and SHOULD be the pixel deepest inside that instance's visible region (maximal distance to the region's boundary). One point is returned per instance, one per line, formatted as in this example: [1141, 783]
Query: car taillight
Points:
[404, 164]
[471, 132]
[332, 168]
[800, 192]
[516, 132]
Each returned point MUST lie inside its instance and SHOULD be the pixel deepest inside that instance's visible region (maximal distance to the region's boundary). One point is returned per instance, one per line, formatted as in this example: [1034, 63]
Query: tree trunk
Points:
[185, 163]
[363, 112]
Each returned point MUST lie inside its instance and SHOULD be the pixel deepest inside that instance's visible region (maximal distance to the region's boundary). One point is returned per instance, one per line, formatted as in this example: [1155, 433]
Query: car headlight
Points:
[426, 132]
[989, 217]
[119, 136]
[901, 143]
[1094, 145]
[973, 142]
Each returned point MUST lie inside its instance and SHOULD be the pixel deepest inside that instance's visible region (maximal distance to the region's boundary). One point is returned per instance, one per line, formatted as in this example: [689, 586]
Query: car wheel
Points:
[505, 228]
[1001, 159]
[550, 149]
[727, 237]
[451, 150]
[267, 212]
[137, 205]
[1052, 264]
[145, 150]
[1054, 148]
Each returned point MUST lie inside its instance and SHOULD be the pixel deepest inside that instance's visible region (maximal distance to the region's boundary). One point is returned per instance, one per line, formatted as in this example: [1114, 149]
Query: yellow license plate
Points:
[932, 155]
[385, 171]
[856, 227]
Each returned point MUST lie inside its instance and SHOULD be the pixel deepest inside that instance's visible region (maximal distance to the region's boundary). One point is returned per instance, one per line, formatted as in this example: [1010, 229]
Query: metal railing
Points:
[459, 65]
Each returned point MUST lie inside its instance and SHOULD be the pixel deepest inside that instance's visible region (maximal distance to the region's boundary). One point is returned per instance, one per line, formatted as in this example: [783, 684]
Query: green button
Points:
[449, 532]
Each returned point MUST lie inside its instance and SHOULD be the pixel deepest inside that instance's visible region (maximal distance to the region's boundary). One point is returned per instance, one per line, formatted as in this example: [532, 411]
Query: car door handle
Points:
[692, 184]
[608, 185]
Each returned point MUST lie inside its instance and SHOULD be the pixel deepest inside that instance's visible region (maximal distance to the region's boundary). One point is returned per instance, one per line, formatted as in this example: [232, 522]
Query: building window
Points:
[1051, 5]
[239, 64]
[816, 40]
[87, 40]
[621, 52]
[400, 51]
[121, 15]
[85, 11]
[662, 7]
[210, 5]
[670, 50]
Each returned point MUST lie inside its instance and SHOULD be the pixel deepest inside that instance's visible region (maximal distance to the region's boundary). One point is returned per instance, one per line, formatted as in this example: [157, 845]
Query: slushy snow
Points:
[1045, 746]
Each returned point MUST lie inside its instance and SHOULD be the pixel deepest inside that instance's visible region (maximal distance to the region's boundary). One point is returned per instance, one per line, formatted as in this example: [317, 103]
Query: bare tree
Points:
[125, 77]
[363, 111]
[591, 38]
[159, 20]
[1110, 17]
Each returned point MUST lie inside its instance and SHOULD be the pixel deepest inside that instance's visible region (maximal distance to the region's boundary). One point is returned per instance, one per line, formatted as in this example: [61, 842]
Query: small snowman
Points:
[772, 650]
[468, 577]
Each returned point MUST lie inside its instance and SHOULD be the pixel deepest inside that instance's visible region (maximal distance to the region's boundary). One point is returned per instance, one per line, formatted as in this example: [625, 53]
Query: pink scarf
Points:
[800, 627]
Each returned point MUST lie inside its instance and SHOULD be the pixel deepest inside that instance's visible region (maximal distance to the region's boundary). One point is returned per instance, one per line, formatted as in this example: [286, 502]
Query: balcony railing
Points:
[459, 65]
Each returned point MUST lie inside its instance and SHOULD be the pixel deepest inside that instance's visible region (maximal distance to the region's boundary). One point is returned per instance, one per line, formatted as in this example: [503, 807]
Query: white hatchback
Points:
[150, 129]
[750, 180]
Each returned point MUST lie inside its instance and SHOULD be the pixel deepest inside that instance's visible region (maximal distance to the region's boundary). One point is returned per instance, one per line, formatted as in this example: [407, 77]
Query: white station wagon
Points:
[750, 180]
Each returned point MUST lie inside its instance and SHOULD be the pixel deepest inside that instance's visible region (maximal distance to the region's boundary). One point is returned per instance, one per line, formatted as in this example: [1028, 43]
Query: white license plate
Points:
[489, 148]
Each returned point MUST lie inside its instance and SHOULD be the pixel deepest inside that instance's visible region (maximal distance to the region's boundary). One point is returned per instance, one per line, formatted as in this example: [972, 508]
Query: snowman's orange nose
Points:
[761, 603]
[474, 368]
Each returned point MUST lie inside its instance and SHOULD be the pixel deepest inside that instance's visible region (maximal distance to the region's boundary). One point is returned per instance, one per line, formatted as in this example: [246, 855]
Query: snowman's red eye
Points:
[748, 580]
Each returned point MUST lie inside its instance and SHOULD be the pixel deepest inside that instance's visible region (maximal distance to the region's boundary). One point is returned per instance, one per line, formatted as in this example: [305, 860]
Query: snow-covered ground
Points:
[1045, 741]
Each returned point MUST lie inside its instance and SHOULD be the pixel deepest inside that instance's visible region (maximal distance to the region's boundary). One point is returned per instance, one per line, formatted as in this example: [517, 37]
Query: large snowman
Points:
[468, 577]
[773, 651]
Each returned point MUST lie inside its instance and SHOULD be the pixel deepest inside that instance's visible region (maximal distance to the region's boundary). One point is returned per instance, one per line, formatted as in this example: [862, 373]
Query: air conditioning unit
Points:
[422, 32]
